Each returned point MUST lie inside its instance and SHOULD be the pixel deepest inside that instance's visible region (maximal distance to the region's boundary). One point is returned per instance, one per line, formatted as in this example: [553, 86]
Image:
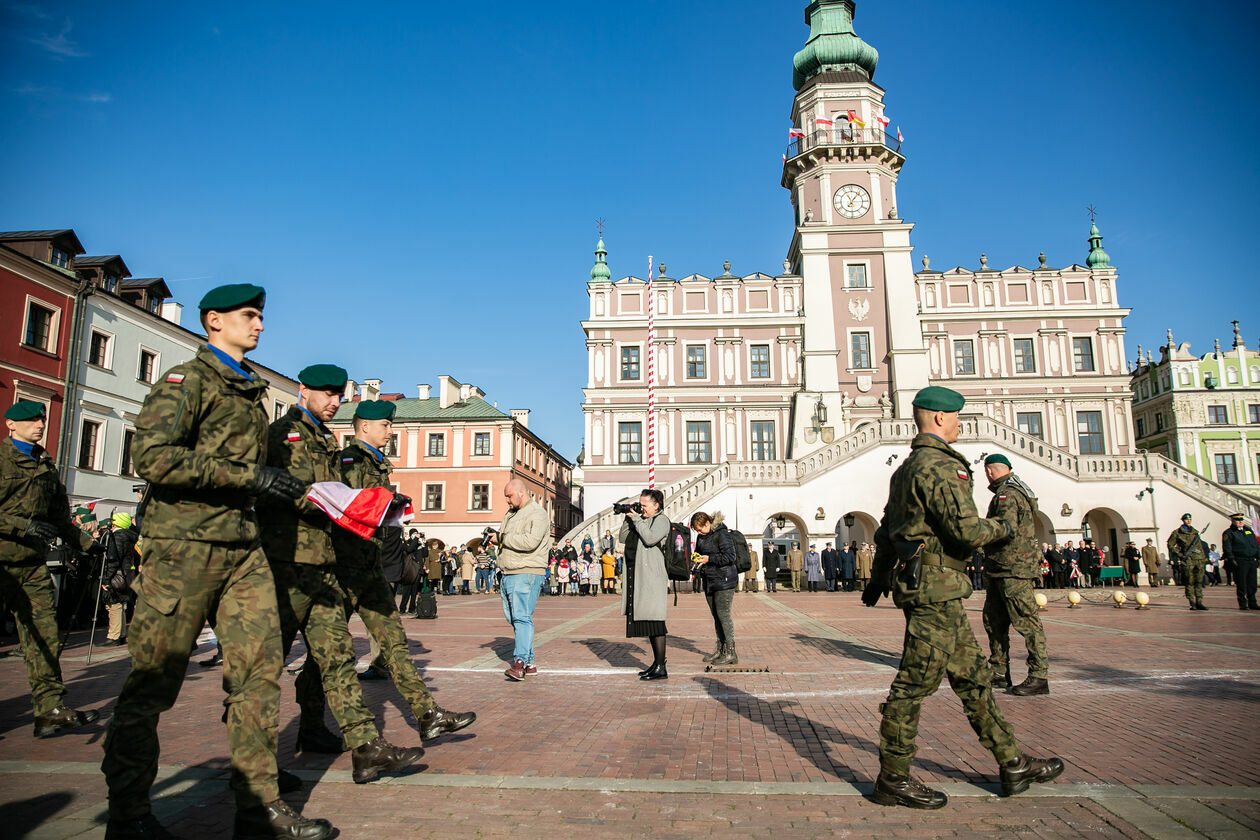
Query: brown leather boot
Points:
[277, 819]
[439, 721]
[717, 651]
[1001, 680]
[906, 792]
[1031, 686]
[729, 656]
[62, 717]
[378, 756]
[1017, 775]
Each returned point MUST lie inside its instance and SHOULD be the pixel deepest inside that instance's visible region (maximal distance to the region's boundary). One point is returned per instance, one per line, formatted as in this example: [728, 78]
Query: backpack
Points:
[743, 560]
[677, 551]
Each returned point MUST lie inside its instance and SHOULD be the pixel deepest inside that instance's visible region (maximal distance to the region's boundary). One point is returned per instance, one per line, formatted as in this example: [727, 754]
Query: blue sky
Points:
[417, 184]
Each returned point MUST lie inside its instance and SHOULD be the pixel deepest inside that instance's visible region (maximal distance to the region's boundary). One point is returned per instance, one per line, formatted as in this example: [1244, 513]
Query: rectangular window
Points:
[762, 439]
[1089, 432]
[148, 360]
[1083, 354]
[1159, 421]
[433, 497]
[759, 359]
[1025, 362]
[278, 410]
[1217, 415]
[39, 321]
[699, 442]
[1226, 469]
[964, 357]
[855, 276]
[695, 363]
[481, 443]
[481, 497]
[437, 445]
[1253, 414]
[60, 258]
[629, 363]
[87, 444]
[98, 351]
[860, 350]
[630, 443]
[391, 446]
[110, 283]
[1030, 424]
[1141, 427]
[126, 467]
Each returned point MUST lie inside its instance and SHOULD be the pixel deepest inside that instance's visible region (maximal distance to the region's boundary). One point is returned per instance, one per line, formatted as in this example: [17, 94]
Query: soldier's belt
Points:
[947, 562]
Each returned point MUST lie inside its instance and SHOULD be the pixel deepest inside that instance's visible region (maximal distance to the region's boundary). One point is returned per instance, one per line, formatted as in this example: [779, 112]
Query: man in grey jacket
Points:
[523, 542]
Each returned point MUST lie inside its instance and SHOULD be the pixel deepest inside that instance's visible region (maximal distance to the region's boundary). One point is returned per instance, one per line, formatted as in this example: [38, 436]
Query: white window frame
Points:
[1015, 357]
[428, 444]
[280, 409]
[870, 348]
[122, 439]
[54, 326]
[108, 364]
[1093, 352]
[157, 364]
[687, 362]
[642, 362]
[866, 265]
[953, 357]
[98, 448]
[472, 444]
[489, 497]
[424, 496]
[769, 361]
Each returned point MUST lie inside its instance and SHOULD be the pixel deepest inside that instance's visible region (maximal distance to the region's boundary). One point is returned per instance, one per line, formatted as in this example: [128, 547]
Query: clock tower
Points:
[863, 356]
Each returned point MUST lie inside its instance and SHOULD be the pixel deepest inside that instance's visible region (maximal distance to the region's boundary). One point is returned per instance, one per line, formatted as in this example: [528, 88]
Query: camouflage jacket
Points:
[930, 499]
[31, 489]
[1019, 556]
[200, 438]
[1186, 544]
[300, 532]
[361, 469]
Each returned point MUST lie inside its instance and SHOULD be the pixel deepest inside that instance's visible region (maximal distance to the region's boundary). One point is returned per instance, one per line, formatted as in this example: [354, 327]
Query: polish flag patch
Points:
[347, 460]
[963, 475]
[175, 377]
[292, 436]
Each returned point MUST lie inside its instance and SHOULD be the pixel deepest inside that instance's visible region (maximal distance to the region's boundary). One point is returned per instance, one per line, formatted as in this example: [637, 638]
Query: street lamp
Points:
[780, 522]
[849, 520]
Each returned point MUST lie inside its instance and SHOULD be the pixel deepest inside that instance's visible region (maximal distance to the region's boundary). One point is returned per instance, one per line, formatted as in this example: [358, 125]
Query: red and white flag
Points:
[899, 137]
[825, 122]
[360, 512]
[882, 120]
[795, 132]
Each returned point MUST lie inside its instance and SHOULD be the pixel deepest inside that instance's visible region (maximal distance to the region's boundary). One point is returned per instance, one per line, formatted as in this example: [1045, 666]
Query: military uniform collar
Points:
[377, 455]
[35, 455]
[931, 441]
[242, 373]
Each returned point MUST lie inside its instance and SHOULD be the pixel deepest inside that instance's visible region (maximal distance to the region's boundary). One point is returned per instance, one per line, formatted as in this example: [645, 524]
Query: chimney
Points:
[352, 388]
[464, 391]
[424, 391]
[171, 311]
[521, 415]
[371, 389]
[448, 391]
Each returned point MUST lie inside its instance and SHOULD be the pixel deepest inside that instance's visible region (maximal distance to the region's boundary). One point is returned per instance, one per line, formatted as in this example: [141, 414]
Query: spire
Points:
[832, 43]
[1238, 340]
[1097, 256]
[599, 271]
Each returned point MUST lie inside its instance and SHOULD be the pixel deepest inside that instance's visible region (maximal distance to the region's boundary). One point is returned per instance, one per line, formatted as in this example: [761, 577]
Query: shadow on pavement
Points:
[849, 650]
[25, 815]
[617, 654]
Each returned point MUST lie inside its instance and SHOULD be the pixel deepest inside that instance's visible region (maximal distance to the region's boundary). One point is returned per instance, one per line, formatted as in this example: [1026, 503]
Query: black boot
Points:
[1030, 687]
[906, 792]
[277, 819]
[319, 740]
[1017, 775]
[1198, 605]
[656, 672]
[439, 721]
[378, 756]
[374, 672]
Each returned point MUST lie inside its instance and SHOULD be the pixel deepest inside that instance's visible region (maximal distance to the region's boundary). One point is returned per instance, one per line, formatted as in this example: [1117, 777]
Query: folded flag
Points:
[360, 512]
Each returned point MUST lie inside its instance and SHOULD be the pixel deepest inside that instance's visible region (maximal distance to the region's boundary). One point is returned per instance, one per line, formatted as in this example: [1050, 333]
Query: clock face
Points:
[852, 201]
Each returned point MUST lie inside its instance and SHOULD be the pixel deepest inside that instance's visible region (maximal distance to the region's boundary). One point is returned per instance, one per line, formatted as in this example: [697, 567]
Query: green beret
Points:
[25, 410]
[1185, 516]
[998, 458]
[323, 376]
[936, 398]
[233, 296]
[375, 410]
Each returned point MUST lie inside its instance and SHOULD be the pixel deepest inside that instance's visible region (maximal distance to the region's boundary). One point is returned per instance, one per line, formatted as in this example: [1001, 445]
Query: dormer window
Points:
[110, 283]
[153, 305]
[60, 258]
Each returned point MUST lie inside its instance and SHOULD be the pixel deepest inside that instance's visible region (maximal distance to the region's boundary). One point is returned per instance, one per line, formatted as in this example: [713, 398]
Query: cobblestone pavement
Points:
[1154, 711]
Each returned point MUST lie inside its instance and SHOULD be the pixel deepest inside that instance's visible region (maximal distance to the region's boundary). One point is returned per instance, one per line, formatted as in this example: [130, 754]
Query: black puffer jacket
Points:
[720, 572]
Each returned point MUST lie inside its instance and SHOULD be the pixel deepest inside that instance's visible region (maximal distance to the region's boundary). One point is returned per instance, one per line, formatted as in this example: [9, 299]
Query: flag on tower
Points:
[825, 122]
[882, 120]
[795, 132]
[853, 118]
[899, 137]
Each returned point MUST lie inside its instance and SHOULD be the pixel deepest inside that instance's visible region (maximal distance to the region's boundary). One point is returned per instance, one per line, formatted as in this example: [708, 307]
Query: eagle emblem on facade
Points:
[859, 308]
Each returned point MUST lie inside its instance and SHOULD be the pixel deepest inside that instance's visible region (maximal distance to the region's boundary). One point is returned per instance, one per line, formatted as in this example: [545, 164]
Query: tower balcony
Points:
[841, 142]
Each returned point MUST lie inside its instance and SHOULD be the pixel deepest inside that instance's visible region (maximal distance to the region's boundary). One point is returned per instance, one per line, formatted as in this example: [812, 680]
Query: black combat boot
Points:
[62, 717]
[1031, 686]
[439, 721]
[1001, 680]
[906, 792]
[144, 828]
[1198, 605]
[1017, 775]
[277, 819]
[319, 740]
[378, 756]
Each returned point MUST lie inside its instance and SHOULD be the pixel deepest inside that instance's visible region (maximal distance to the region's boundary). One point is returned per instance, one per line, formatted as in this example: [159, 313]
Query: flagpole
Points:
[651, 374]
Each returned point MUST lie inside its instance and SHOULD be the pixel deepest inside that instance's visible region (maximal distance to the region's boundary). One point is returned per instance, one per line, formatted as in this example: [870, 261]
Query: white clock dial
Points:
[852, 201]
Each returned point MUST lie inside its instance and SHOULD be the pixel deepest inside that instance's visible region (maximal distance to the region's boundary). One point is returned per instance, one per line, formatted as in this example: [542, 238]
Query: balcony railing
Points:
[843, 136]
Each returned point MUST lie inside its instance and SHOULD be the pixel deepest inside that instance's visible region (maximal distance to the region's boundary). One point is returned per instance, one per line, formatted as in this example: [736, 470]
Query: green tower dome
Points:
[599, 271]
[1097, 256]
[832, 44]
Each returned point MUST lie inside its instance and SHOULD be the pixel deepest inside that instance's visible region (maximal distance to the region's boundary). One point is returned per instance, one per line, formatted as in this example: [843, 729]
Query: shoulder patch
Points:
[963, 475]
[347, 460]
[175, 378]
[292, 436]
[1001, 498]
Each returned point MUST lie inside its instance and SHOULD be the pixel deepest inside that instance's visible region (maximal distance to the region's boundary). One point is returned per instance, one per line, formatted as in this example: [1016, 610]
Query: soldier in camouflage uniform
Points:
[363, 466]
[201, 445]
[297, 539]
[929, 529]
[34, 512]
[1010, 567]
[1185, 544]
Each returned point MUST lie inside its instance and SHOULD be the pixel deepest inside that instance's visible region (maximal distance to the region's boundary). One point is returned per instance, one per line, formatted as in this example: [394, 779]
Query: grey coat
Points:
[650, 581]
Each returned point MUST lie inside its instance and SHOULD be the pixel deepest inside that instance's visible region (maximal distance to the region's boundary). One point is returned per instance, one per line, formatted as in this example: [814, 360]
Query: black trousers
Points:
[1245, 582]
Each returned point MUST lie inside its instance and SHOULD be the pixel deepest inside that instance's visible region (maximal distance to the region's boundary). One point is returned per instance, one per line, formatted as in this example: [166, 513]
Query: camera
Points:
[622, 507]
[487, 533]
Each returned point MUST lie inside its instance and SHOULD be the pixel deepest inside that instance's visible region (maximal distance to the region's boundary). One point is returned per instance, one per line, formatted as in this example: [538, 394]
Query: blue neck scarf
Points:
[27, 449]
[380, 456]
[231, 363]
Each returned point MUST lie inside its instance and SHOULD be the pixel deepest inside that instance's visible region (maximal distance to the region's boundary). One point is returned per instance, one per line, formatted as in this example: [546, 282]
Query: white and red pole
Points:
[651, 378]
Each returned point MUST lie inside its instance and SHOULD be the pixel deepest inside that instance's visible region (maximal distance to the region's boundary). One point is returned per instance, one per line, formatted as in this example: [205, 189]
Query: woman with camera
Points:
[714, 560]
[643, 596]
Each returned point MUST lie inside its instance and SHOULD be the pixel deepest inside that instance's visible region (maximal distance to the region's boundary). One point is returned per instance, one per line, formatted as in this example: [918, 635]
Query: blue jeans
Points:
[483, 580]
[520, 594]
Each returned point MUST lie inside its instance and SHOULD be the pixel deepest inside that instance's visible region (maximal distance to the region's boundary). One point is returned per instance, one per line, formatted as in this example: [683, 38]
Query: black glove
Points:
[41, 530]
[873, 592]
[1008, 531]
[400, 501]
[277, 485]
[95, 549]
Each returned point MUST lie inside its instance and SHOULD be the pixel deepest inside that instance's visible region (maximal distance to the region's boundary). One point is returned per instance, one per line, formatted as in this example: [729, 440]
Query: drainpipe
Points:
[71, 383]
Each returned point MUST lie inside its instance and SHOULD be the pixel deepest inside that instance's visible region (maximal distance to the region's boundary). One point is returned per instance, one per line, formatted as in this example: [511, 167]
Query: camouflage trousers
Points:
[183, 585]
[939, 643]
[1194, 581]
[1008, 602]
[371, 596]
[28, 592]
[311, 600]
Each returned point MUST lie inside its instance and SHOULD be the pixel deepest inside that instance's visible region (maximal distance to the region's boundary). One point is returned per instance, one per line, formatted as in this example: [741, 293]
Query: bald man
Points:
[523, 542]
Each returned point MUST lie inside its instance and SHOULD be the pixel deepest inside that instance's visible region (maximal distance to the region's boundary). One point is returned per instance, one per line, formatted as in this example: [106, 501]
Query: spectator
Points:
[584, 567]
[587, 544]
[813, 568]
[770, 562]
[608, 569]
[1058, 572]
[522, 545]
[607, 543]
[865, 557]
[434, 561]
[413, 569]
[830, 567]
[467, 571]
[715, 562]
[1132, 561]
[119, 572]
[1212, 569]
[750, 576]
[485, 583]
[796, 566]
[975, 569]
[643, 599]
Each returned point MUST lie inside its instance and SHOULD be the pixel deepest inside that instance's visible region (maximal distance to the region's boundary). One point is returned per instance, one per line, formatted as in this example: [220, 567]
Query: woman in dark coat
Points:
[643, 597]
[715, 557]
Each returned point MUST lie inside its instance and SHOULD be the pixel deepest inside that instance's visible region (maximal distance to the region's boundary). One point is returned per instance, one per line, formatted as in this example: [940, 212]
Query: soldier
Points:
[1150, 561]
[201, 444]
[796, 565]
[298, 543]
[364, 465]
[1010, 568]
[750, 576]
[930, 527]
[1238, 543]
[1185, 546]
[34, 511]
